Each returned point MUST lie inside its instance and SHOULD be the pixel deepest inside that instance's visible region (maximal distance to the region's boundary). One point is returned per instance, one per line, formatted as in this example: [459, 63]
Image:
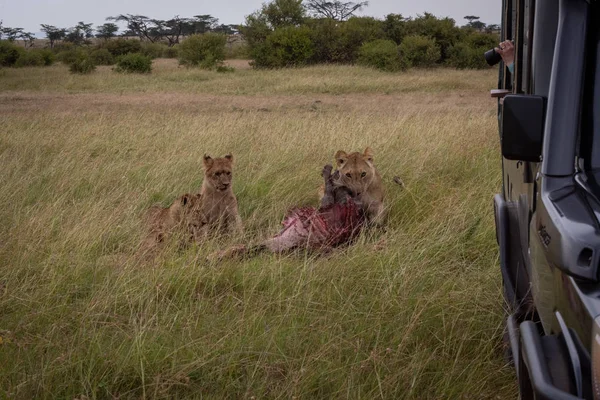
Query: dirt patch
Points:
[203, 103]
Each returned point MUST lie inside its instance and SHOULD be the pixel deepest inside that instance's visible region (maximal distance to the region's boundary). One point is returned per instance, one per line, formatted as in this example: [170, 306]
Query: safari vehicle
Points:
[548, 214]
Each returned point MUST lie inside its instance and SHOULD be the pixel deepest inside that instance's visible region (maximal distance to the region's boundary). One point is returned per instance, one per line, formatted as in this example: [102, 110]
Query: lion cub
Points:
[218, 207]
[180, 218]
[357, 173]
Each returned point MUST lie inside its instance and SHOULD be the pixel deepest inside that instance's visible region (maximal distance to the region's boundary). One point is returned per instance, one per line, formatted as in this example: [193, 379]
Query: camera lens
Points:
[492, 57]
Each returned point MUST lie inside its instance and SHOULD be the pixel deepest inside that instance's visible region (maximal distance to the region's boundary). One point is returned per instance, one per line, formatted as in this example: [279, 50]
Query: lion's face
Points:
[356, 171]
[218, 171]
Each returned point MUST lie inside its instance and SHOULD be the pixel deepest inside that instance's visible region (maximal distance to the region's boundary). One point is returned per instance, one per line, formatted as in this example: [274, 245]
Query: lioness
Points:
[357, 173]
[218, 207]
[180, 218]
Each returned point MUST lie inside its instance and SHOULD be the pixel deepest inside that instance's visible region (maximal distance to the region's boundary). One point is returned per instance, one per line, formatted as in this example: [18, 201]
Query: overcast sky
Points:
[29, 14]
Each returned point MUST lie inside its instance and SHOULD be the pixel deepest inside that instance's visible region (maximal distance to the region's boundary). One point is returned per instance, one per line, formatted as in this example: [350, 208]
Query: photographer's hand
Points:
[506, 49]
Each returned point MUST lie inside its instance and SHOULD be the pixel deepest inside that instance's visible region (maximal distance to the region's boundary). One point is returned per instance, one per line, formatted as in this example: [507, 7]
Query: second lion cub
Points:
[218, 207]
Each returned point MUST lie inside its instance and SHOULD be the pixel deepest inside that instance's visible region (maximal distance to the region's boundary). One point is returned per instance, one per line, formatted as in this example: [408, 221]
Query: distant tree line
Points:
[149, 29]
[281, 33]
[295, 32]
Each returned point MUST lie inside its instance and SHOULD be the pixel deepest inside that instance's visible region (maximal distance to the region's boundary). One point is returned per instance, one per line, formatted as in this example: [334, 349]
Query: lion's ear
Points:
[340, 158]
[208, 161]
[368, 154]
[229, 156]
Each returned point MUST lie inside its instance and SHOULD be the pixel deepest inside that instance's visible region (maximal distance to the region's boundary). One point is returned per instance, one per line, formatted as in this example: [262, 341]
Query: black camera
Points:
[492, 57]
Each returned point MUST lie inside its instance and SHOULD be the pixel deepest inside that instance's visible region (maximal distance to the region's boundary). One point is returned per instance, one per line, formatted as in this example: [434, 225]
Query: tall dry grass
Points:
[411, 312]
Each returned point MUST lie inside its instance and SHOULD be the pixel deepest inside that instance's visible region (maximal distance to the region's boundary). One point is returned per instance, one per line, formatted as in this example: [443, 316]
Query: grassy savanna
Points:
[413, 311]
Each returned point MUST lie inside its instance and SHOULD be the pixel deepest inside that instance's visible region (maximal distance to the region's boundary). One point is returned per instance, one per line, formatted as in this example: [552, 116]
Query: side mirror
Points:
[523, 118]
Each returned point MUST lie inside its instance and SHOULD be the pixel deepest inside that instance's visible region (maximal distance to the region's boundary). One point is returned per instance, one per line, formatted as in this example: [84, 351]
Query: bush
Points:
[380, 54]
[102, 57]
[30, 59]
[353, 34]
[63, 46]
[419, 51]
[325, 37]
[205, 51]
[120, 47]
[9, 53]
[171, 52]
[48, 56]
[69, 57]
[153, 50]
[462, 56]
[82, 65]
[443, 31]
[134, 63]
[285, 47]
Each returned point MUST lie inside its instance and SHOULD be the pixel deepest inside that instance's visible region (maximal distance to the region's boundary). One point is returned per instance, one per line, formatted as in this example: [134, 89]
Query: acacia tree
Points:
[173, 29]
[28, 38]
[53, 34]
[107, 31]
[492, 28]
[227, 29]
[471, 18]
[138, 25]
[337, 10]
[12, 34]
[80, 34]
[474, 22]
[204, 23]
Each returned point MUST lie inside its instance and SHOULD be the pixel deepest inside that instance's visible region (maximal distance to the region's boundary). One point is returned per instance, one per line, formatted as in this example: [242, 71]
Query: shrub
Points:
[285, 47]
[48, 56]
[481, 40]
[205, 51]
[462, 56]
[120, 47]
[443, 31]
[83, 64]
[134, 63]
[68, 57]
[325, 37]
[171, 52]
[9, 53]
[381, 54]
[469, 52]
[394, 26]
[63, 46]
[419, 51]
[153, 50]
[353, 34]
[102, 57]
[30, 59]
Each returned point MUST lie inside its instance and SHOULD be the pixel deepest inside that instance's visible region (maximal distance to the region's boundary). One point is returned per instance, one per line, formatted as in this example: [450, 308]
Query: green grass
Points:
[412, 312]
